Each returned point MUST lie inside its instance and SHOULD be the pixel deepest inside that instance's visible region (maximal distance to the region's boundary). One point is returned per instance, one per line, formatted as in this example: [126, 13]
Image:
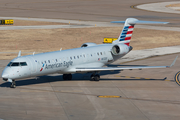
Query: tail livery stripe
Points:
[131, 27]
[127, 44]
[126, 33]
[129, 32]
[128, 28]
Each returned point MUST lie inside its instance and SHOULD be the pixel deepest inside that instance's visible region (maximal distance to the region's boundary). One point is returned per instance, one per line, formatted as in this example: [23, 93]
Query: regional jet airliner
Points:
[89, 58]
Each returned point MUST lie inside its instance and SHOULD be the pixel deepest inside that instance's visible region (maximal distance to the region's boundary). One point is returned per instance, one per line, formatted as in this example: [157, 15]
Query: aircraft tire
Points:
[64, 76]
[97, 77]
[13, 85]
[69, 76]
[92, 78]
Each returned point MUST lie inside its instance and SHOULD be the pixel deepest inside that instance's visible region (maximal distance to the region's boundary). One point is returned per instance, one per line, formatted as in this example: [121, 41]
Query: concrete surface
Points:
[80, 24]
[141, 54]
[49, 97]
[159, 7]
[86, 10]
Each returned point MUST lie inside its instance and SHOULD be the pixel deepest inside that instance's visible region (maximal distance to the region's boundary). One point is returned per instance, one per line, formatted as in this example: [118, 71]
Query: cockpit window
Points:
[9, 64]
[17, 64]
[23, 64]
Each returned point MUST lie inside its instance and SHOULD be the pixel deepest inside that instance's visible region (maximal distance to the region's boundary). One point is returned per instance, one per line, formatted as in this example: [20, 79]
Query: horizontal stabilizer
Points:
[141, 22]
[128, 28]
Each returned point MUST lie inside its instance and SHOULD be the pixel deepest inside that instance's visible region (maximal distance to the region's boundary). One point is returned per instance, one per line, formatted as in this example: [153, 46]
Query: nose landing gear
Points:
[13, 84]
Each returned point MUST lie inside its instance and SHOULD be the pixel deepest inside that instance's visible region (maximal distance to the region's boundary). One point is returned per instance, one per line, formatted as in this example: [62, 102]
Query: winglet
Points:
[173, 62]
[19, 54]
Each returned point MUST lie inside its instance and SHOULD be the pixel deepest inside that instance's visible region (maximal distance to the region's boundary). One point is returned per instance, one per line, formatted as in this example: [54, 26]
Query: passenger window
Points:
[56, 60]
[78, 57]
[101, 53]
[97, 53]
[74, 57]
[71, 58]
[91, 55]
[15, 64]
[23, 63]
[44, 61]
[49, 61]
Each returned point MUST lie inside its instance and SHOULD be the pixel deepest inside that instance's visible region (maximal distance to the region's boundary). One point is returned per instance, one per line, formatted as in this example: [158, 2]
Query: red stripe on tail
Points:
[126, 44]
[131, 26]
[127, 38]
[129, 32]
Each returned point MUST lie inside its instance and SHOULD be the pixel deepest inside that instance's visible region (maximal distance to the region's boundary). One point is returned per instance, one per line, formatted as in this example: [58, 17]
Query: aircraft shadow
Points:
[76, 77]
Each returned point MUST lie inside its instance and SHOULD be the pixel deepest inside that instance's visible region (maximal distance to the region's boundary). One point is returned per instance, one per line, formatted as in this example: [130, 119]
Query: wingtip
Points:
[173, 62]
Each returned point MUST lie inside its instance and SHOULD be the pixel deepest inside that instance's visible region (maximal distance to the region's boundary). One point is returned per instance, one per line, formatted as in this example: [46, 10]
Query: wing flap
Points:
[96, 69]
[89, 69]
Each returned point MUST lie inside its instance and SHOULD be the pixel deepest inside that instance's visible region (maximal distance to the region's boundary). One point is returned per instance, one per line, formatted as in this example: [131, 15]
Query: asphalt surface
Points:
[145, 95]
[160, 7]
[88, 10]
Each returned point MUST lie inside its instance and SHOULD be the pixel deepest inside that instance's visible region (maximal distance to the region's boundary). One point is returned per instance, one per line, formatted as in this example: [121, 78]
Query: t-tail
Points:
[126, 34]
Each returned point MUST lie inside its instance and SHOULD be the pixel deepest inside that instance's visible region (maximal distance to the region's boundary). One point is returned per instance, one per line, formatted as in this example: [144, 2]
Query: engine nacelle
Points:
[88, 44]
[120, 49]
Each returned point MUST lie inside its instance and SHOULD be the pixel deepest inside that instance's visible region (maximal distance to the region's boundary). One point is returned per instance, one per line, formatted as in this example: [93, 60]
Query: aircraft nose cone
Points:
[4, 75]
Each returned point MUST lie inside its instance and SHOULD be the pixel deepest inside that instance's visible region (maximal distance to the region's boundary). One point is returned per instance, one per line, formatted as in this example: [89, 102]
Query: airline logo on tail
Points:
[126, 34]
[127, 31]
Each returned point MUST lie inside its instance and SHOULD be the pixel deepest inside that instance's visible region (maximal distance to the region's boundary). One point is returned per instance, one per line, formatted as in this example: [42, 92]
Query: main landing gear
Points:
[67, 76]
[13, 84]
[95, 77]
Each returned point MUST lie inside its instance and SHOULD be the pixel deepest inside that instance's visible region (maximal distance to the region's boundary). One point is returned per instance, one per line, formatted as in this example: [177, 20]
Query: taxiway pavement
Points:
[160, 7]
[144, 95]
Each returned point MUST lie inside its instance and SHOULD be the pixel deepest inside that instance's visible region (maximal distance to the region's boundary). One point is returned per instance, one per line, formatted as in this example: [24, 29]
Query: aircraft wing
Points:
[97, 69]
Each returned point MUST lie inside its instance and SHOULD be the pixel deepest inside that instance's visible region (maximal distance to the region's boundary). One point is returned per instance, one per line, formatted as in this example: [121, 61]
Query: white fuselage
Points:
[63, 62]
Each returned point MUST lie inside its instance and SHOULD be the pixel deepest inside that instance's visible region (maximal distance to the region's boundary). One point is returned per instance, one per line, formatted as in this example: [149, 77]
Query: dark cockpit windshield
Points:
[13, 64]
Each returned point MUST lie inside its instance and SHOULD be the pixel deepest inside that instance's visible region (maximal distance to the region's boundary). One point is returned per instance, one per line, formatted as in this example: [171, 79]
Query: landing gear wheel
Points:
[67, 76]
[92, 77]
[13, 85]
[95, 77]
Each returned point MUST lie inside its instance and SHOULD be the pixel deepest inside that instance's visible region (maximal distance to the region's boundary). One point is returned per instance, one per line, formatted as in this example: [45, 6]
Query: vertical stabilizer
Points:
[128, 28]
[127, 31]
